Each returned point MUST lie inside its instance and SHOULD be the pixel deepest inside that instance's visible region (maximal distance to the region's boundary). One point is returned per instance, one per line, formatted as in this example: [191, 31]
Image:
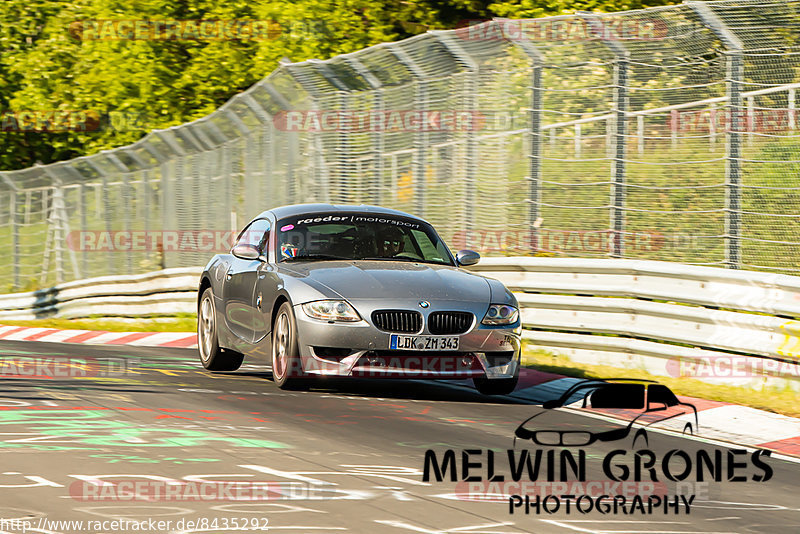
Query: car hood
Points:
[391, 280]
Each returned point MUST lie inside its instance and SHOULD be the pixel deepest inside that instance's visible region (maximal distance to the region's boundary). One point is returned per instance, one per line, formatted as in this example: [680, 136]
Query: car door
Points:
[266, 291]
[241, 315]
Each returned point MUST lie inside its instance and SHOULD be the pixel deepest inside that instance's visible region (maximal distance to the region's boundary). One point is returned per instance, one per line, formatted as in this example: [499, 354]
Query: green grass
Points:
[173, 323]
[777, 401]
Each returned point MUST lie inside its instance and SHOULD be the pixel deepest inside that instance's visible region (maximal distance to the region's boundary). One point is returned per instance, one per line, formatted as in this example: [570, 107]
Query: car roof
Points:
[311, 209]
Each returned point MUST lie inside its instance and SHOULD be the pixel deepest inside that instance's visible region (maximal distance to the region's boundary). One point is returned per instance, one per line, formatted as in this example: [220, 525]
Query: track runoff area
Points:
[137, 439]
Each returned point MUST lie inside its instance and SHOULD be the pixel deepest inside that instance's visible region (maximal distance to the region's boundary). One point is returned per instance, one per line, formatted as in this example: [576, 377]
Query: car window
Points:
[619, 396]
[256, 234]
[359, 236]
[660, 394]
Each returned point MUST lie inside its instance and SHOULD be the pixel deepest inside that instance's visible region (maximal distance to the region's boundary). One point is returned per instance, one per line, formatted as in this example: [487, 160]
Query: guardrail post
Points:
[420, 138]
[618, 132]
[463, 57]
[733, 135]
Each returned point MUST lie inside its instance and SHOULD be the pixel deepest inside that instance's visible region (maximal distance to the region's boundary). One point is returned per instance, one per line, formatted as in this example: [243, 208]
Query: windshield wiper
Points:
[317, 257]
[401, 258]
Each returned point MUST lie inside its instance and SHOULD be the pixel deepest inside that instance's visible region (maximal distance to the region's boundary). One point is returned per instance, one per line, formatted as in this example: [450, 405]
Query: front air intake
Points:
[399, 321]
[449, 322]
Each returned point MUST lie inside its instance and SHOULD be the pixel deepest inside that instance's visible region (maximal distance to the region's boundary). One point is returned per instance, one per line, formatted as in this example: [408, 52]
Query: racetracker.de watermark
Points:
[125, 490]
[562, 241]
[44, 367]
[611, 28]
[174, 30]
[59, 121]
[731, 366]
[397, 120]
[153, 240]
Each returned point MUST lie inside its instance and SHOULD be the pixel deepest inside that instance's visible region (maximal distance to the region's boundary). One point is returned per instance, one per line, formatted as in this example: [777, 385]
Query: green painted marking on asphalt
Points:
[115, 458]
[78, 424]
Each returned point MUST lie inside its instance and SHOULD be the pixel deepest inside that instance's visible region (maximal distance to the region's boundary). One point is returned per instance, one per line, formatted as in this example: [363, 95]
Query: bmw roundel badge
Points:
[424, 304]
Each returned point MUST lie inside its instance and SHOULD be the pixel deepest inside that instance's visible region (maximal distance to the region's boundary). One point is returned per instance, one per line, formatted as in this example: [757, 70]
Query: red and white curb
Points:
[99, 337]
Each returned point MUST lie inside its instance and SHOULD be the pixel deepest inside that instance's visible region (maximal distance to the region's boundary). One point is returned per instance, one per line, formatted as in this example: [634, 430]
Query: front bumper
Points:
[362, 350]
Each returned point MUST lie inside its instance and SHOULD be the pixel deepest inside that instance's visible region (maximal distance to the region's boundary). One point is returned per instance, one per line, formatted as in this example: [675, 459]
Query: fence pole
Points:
[166, 207]
[106, 212]
[279, 99]
[376, 136]
[125, 196]
[14, 224]
[420, 99]
[733, 135]
[536, 133]
[472, 92]
[343, 158]
[265, 142]
[618, 132]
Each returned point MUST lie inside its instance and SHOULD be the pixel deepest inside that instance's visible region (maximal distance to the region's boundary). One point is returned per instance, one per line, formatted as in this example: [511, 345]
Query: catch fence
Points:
[665, 134]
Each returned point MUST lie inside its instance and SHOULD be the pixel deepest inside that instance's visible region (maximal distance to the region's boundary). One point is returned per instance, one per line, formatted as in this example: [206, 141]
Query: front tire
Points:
[212, 356]
[287, 369]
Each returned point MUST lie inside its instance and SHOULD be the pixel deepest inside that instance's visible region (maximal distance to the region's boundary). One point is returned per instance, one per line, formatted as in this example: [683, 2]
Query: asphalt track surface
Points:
[344, 457]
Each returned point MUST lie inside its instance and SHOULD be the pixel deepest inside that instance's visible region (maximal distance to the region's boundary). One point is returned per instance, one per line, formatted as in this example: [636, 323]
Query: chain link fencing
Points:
[666, 134]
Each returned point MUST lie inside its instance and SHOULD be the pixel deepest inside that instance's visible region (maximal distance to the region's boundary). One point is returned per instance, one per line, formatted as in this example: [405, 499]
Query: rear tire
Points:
[212, 356]
[498, 386]
[287, 368]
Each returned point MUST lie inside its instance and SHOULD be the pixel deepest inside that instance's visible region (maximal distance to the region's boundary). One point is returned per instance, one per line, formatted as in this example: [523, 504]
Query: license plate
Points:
[398, 342]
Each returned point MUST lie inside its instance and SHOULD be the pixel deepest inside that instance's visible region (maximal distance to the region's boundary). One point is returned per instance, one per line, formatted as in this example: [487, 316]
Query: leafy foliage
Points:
[161, 83]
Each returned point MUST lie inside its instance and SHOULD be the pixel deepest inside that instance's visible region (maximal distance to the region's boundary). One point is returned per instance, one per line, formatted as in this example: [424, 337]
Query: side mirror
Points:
[246, 252]
[550, 404]
[467, 257]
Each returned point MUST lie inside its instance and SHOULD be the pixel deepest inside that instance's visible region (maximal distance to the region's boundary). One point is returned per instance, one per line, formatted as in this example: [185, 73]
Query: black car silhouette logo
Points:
[642, 403]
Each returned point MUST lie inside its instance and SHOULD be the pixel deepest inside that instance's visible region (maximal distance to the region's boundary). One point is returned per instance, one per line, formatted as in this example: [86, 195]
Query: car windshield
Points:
[359, 236]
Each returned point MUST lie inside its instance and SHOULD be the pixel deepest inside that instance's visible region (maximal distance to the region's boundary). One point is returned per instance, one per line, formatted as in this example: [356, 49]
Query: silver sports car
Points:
[321, 290]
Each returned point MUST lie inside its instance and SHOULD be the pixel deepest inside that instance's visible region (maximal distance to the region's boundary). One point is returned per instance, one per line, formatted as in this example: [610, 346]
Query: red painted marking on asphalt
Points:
[13, 331]
[185, 342]
[128, 339]
[41, 334]
[175, 410]
[789, 446]
[425, 410]
[132, 409]
[531, 377]
[80, 338]
[166, 416]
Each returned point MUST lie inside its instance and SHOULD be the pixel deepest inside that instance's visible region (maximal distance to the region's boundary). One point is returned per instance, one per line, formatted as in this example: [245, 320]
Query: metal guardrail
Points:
[658, 316]
[167, 291]
[666, 318]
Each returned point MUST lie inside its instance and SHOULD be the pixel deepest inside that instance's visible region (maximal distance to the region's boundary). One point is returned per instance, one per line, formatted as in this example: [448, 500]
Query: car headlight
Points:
[500, 314]
[331, 310]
